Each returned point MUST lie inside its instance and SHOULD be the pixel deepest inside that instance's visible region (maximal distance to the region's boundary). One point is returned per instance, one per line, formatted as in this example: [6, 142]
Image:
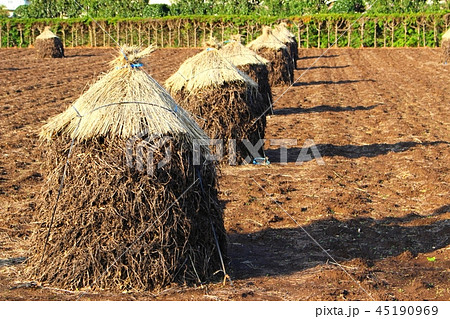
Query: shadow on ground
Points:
[71, 55]
[285, 251]
[323, 108]
[299, 154]
[318, 56]
[324, 67]
[330, 82]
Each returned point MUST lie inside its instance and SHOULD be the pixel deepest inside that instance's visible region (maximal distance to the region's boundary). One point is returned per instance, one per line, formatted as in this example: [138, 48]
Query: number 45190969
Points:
[407, 310]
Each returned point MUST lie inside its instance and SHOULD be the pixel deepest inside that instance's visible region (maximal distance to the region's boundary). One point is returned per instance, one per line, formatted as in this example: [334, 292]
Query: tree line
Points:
[282, 8]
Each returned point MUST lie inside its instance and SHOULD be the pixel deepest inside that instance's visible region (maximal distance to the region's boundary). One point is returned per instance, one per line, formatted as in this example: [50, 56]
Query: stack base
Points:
[281, 66]
[49, 48]
[228, 113]
[118, 227]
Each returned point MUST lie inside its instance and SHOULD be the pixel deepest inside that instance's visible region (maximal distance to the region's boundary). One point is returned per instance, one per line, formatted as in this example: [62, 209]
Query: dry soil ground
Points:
[379, 206]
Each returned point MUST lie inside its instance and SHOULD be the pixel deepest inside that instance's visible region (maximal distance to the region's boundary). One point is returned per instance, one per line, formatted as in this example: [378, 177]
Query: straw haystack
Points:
[283, 34]
[225, 100]
[281, 68]
[48, 45]
[446, 46]
[127, 219]
[252, 64]
[211, 42]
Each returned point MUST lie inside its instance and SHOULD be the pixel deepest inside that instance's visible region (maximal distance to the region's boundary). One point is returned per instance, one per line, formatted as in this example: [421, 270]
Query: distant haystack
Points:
[252, 64]
[281, 68]
[48, 45]
[212, 42]
[136, 211]
[225, 100]
[446, 46]
[283, 34]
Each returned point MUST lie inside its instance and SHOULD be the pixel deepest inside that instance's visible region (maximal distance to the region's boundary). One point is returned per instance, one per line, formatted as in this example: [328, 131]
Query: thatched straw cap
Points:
[125, 102]
[282, 27]
[47, 34]
[212, 42]
[446, 35]
[208, 69]
[240, 55]
[266, 40]
[283, 34]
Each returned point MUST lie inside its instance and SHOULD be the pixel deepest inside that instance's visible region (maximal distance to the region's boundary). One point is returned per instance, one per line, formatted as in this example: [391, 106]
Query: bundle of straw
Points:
[225, 100]
[281, 68]
[253, 65]
[48, 45]
[283, 34]
[136, 212]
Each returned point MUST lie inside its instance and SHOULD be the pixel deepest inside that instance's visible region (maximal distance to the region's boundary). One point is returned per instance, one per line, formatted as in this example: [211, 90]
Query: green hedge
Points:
[322, 30]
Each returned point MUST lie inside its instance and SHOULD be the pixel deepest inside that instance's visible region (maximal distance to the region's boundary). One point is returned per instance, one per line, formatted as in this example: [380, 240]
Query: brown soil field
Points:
[372, 222]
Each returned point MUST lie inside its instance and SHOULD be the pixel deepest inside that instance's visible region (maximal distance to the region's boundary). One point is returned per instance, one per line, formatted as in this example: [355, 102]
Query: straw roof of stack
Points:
[123, 103]
[283, 34]
[240, 55]
[266, 40]
[46, 34]
[282, 27]
[204, 70]
[212, 42]
[446, 35]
